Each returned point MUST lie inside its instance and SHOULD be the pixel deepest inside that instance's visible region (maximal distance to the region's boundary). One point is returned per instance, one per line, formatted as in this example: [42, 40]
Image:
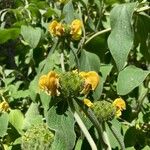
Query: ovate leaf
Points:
[32, 116]
[3, 124]
[31, 35]
[16, 118]
[130, 78]
[120, 40]
[63, 125]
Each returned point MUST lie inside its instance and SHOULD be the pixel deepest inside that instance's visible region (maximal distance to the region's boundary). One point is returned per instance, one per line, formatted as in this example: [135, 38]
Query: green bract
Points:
[103, 110]
[71, 84]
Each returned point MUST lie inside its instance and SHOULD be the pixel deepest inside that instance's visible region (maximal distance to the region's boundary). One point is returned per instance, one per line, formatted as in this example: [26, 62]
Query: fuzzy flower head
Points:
[50, 83]
[76, 29]
[4, 106]
[56, 28]
[91, 80]
[120, 105]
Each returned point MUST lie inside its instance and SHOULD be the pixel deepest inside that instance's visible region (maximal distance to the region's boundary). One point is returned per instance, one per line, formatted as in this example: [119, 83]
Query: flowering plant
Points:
[74, 74]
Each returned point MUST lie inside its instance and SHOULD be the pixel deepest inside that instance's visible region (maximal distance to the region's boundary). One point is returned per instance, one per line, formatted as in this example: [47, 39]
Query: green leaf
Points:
[32, 116]
[89, 61]
[31, 35]
[16, 118]
[130, 78]
[63, 125]
[105, 70]
[130, 137]
[3, 124]
[7, 34]
[120, 40]
[68, 12]
[115, 127]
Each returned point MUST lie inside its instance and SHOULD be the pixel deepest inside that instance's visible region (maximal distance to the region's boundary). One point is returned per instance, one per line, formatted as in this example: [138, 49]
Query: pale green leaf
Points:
[130, 78]
[31, 35]
[16, 118]
[32, 116]
[120, 40]
[3, 124]
[63, 125]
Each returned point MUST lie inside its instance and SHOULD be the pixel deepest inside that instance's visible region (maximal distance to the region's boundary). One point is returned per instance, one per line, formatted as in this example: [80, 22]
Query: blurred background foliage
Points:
[115, 43]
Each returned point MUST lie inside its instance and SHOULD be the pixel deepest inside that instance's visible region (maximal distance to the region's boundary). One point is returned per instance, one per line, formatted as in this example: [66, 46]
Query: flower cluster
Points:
[69, 84]
[105, 110]
[59, 29]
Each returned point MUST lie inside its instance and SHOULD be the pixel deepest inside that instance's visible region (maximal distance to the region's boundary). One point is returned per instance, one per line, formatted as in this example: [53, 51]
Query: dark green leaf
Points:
[7, 34]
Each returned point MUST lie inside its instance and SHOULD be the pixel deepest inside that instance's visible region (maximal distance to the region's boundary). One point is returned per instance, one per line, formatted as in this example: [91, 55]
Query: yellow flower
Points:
[50, 83]
[56, 28]
[88, 102]
[120, 105]
[91, 81]
[4, 106]
[76, 29]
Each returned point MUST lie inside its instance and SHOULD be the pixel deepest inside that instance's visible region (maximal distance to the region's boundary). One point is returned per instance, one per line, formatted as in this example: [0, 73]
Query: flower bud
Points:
[71, 84]
[103, 110]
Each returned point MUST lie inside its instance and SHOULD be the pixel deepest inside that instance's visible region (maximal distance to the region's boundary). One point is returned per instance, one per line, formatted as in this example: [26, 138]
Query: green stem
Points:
[82, 127]
[140, 101]
[105, 136]
[96, 34]
[75, 55]
[145, 8]
[89, 113]
[53, 47]
[116, 135]
[1, 144]
[62, 62]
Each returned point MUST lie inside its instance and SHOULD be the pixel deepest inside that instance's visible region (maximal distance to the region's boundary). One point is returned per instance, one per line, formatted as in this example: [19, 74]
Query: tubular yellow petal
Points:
[53, 83]
[4, 106]
[87, 102]
[56, 28]
[119, 103]
[76, 29]
[50, 83]
[43, 82]
[91, 78]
